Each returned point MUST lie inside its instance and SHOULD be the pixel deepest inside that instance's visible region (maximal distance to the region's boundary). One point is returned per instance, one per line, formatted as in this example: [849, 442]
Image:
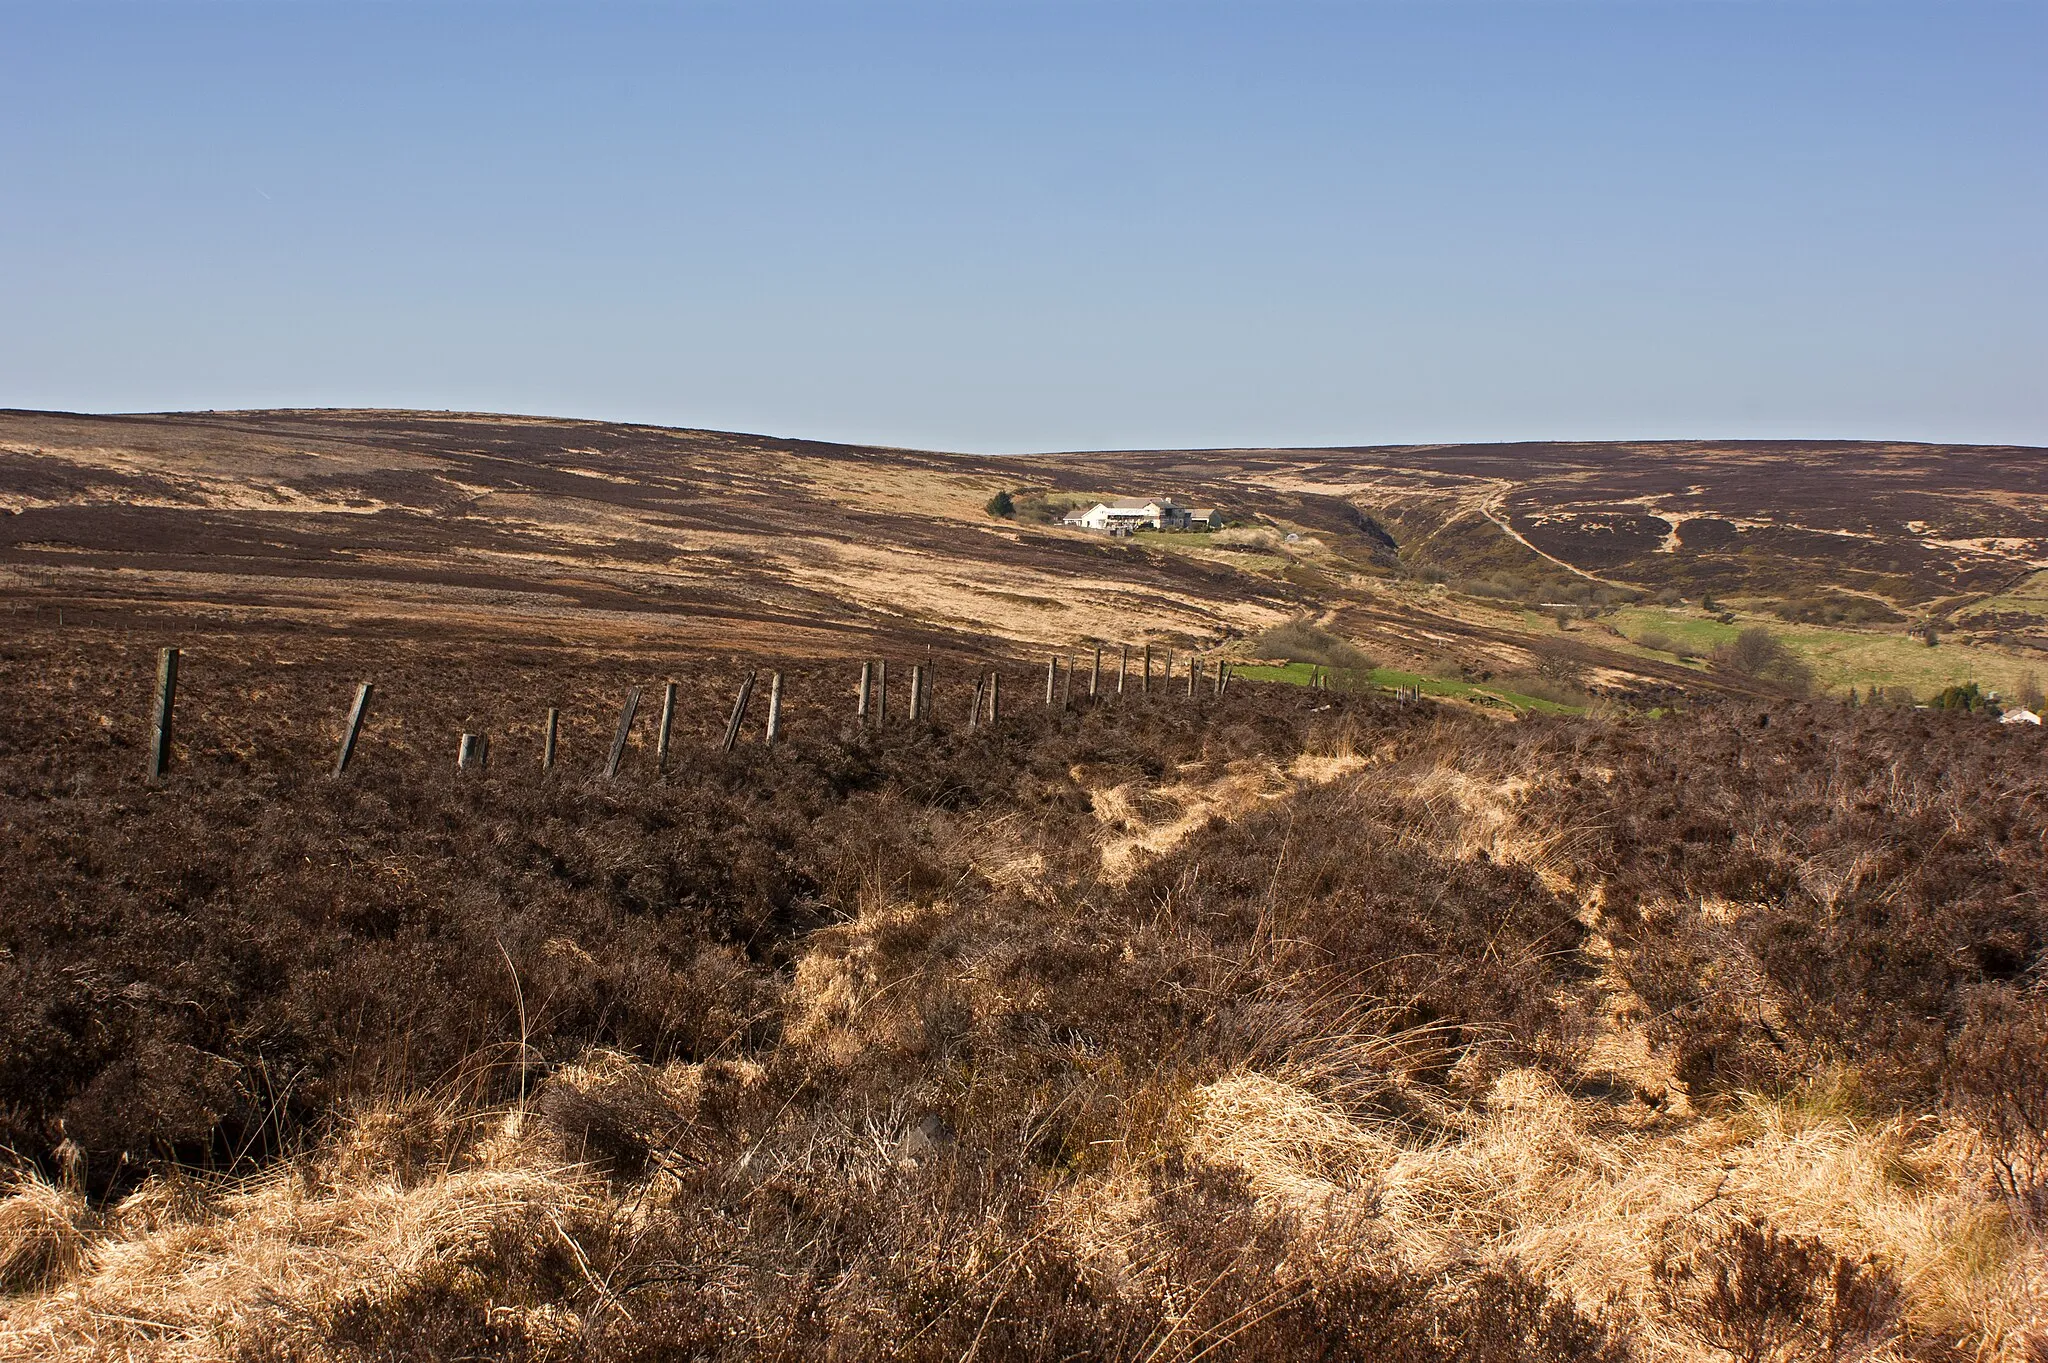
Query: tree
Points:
[1001, 505]
[2029, 693]
[1965, 697]
[1756, 652]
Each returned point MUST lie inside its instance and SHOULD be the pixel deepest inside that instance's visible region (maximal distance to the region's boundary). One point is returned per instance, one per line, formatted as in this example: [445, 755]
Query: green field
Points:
[2029, 597]
[1302, 674]
[1842, 657]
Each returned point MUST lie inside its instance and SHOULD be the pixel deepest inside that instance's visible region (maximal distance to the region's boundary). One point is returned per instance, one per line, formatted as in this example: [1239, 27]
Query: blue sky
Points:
[1041, 224]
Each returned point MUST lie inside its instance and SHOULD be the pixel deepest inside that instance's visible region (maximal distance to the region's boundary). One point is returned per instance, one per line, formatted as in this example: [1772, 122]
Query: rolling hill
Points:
[1466, 561]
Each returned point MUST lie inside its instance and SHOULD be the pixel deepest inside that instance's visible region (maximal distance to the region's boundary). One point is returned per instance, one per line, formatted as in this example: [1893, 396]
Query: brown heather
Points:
[1290, 1025]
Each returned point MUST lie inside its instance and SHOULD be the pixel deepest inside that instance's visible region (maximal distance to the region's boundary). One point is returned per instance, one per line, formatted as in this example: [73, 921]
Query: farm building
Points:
[1139, 513]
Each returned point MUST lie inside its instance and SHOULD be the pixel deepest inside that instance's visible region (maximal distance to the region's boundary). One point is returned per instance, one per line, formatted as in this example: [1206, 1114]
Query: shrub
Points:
[1756, 652]
[1760, 1294]
[2028, 693]
[1001, 505]
[1301, 641]
[1966, 697]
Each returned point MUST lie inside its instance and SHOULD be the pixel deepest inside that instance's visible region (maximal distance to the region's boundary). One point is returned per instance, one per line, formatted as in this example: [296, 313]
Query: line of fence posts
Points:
[871, 702]
[472, 752]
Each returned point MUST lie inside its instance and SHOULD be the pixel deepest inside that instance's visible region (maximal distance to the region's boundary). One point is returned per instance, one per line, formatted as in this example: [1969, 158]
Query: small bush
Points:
[1301, 641]
[1759, 1295]
[1756, 652]
[1001, 505]
[2028, 693]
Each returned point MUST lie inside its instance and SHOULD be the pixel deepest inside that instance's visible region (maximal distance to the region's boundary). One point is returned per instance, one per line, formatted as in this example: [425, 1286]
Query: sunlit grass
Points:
[1388, 678]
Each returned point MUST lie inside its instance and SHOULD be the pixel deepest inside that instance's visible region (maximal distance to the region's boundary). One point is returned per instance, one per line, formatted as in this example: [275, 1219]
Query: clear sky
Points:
[1041, 224]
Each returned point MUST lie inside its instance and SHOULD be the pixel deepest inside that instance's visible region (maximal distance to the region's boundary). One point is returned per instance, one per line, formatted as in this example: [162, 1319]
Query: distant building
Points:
[1126, 514]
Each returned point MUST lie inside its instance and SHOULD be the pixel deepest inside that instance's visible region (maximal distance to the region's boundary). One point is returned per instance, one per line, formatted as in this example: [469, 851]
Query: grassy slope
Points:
[1845, 657]
[1389, 678]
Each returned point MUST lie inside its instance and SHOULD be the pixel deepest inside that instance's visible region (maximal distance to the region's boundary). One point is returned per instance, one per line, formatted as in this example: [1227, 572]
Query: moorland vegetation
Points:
[1281, 1024]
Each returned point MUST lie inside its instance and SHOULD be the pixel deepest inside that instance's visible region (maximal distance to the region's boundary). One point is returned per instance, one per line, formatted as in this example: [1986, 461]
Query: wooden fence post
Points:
[354, 729]
[1194, 676]
[1146, 685]
[1052, 672]
[974, 710]
[882, 692]
[632, 707]
[739, 713]
[166, 700]
[1067, 684]
[860, 704]
[547, 739]
[1169, 667]
[995, 706]
[774, 708]
[1095, 675]
[1123, 665]
[471, 753]
[668, 724]
[916, 691]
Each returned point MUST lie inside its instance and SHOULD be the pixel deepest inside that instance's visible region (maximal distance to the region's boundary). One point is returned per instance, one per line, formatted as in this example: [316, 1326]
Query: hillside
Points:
[1450, 561]
[1657, 1013]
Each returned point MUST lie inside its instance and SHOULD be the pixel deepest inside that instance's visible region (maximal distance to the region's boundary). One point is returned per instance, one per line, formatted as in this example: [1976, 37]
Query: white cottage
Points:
[1132, 513]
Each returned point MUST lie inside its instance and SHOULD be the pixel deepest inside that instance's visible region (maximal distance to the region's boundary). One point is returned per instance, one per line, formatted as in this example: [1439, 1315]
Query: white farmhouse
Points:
[1126, 514]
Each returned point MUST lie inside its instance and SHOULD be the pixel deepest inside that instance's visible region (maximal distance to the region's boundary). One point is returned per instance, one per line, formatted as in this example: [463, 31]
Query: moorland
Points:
[1593, 1000]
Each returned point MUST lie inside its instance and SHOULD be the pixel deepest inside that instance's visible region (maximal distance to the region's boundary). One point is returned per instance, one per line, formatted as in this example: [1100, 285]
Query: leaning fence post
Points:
[860, 703]
[774, 708]
[995, 708]
[166, 699]
[632, 707]
[974, 710]
[739, 712]
[547, 739]
[354, 729]
[668, 723]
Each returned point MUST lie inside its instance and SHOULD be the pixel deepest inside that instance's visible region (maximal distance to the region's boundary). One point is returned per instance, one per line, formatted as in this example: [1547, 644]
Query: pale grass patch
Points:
[185, 1283]
[45, 1233]
[1591, 1203]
